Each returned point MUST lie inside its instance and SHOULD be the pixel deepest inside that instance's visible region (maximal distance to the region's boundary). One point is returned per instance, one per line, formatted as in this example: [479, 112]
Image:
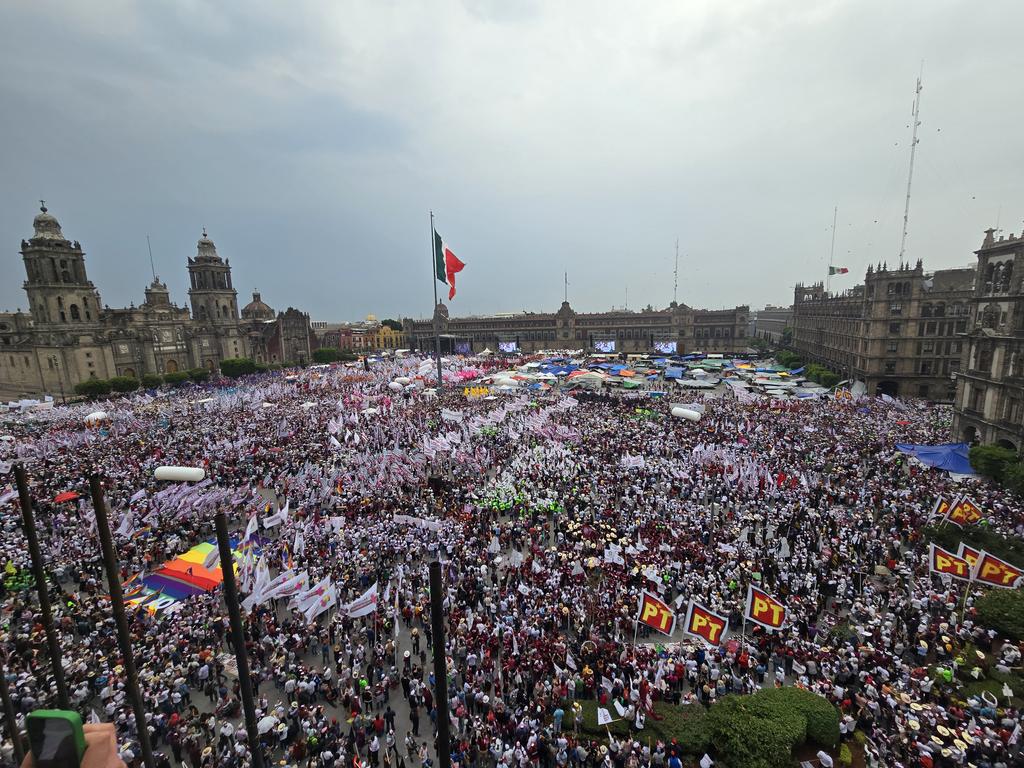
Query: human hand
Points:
[100, 748]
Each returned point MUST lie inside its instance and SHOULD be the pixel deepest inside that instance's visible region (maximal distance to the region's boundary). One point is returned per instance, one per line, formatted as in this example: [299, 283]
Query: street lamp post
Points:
[60, 378]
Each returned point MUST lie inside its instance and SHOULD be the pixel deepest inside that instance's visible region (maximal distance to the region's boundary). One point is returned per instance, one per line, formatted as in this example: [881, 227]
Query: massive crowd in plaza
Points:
[551, 513]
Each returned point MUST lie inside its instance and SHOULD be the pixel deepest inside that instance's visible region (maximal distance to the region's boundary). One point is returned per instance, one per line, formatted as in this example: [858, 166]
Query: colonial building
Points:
[900, 332]
[68, 335]
[678, 329]
[990, 388]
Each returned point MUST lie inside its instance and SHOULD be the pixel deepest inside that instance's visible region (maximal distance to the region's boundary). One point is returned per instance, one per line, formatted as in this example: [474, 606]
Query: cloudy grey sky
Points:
[312, 139]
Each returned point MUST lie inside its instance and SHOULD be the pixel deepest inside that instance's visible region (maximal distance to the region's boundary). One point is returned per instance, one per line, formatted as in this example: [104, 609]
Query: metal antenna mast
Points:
[151, 265]
[913, 150]
[675, 276]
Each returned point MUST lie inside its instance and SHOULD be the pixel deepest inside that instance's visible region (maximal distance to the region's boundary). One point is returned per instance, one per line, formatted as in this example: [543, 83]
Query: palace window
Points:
[75, 315]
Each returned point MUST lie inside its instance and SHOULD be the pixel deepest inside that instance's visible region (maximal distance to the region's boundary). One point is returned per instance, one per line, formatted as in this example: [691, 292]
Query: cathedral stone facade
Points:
[68, 335]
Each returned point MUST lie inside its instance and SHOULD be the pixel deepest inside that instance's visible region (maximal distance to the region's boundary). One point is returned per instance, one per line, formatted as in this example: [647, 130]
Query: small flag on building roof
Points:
[837, 270]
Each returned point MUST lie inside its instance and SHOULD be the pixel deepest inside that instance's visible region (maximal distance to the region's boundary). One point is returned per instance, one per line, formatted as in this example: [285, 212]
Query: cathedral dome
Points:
[46, 226]
[257, 309]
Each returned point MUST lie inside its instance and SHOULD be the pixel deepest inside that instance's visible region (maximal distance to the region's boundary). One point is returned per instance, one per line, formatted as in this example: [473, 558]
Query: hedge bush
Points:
[175, 378]
[822, 717]
[237, 366]
[199, 374]
[845, 756]
[93, 387]
[124, 383]
[756, 731]
[151, 380]
[1003, 611]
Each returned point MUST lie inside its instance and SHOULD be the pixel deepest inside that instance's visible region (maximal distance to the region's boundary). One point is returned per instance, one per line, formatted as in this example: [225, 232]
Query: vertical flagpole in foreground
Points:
[42, 588]
[227, 569]
[124, 638]
[433, 314]
[444, 756]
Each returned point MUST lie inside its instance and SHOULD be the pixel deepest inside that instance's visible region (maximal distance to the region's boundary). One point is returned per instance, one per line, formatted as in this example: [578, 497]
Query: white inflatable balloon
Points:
[685, 413]
[394, 386]
[403, 380]
[180, 474]
[95, 416]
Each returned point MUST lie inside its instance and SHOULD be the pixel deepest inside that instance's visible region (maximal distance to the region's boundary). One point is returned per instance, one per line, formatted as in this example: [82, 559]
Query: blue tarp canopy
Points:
[951, 457]
[673, 373]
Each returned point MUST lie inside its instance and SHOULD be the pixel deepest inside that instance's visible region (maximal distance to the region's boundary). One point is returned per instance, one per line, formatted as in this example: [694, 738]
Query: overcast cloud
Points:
[312, 139]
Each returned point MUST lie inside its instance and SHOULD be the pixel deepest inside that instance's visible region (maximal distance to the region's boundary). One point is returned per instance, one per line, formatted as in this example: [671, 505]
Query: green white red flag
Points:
[446, 264]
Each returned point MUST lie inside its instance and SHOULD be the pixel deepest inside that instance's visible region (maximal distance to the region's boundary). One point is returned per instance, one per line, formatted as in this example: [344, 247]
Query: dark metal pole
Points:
[444, 757]
[227, 568]
[436, 320]
[11, 718]
[29, 526]
[124, 639]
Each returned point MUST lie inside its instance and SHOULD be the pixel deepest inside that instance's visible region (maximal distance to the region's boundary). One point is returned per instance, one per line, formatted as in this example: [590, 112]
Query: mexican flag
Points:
[446, 264]
[837, 270]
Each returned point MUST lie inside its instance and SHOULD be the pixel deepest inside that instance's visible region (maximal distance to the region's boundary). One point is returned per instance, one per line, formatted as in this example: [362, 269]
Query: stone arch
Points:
[130, 372]
[1005, 443]
[75, 314]
[171, 366]
[888, 387]
[210, 365]
[969, 434]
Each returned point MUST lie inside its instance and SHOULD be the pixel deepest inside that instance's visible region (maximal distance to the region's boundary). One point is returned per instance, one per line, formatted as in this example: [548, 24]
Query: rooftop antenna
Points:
[913, 150]
[151, 265]
[566, 287]
[675, 275]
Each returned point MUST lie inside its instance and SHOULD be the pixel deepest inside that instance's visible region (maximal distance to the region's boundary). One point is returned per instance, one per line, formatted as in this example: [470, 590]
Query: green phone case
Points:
[73, 719]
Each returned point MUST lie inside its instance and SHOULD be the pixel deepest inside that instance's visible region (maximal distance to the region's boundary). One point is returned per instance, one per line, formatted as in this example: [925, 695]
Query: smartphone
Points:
[56, 738]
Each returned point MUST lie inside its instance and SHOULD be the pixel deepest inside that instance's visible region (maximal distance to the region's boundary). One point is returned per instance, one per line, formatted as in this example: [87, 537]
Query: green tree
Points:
[124, 383]
[93, 387]
[394, 325]
[326, 355]
[1014, 478]
[992, 461]
[234, 367]
[174, 378]
[199, 374]
[151, 381]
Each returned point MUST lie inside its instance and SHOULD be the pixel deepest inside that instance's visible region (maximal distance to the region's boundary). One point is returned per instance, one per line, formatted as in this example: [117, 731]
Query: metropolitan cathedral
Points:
[69, 335]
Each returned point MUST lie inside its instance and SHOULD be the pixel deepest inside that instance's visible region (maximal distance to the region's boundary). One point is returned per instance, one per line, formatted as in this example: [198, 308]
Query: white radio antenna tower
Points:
[910, 173]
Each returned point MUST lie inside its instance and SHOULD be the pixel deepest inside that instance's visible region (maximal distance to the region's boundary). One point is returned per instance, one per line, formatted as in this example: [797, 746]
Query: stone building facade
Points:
[771, 323]
[901, 332]
[990, 388]
[68, 335]
[689, 330]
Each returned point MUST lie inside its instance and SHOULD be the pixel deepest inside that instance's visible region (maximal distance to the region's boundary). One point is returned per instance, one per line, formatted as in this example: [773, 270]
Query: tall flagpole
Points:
[832, 251]
[433, 275]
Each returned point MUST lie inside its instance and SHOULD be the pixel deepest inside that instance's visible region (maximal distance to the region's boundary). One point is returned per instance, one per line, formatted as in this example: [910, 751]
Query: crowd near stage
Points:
[650, 575]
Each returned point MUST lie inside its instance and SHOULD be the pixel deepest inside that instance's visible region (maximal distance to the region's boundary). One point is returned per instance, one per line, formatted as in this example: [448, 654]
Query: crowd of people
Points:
[521, 496]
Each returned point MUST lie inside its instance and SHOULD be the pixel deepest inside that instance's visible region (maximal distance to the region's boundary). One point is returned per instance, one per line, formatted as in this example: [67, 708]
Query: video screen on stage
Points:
[605, 346]
[510, 347]
[666, 347]
[463, 348]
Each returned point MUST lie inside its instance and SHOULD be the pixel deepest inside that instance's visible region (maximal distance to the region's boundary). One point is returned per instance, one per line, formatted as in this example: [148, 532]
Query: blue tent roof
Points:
[673, 373]
[951, 457]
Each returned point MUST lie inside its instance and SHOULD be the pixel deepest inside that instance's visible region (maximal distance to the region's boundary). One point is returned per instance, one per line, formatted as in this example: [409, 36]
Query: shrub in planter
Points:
[199, 374]
[175, 378]
[822, 718]
[845, 756]
[93, 387]
[992, 460]
[237, 366]
[151, 381]
[124, 383]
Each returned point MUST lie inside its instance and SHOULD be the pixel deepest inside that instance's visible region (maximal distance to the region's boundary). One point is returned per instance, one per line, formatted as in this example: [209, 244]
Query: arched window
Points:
[989, 274]
[926, 310]
[1007, 276]
[75, 315]
[940, 309]
[202, 312]
[60, 302]
[65, 276]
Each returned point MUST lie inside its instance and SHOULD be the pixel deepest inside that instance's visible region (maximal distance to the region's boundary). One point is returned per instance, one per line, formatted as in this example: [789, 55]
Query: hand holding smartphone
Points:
[59, 740]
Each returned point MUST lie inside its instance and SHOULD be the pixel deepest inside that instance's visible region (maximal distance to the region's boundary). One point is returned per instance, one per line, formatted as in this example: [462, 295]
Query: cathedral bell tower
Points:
[214, 301]
[60, 293]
